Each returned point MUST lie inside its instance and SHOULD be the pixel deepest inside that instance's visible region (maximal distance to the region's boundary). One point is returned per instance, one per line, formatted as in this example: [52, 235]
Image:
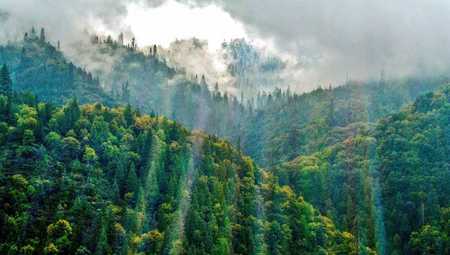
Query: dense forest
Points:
[90, 165]
[385, 183]
[271, 127]
[96, 180]
[39, 67]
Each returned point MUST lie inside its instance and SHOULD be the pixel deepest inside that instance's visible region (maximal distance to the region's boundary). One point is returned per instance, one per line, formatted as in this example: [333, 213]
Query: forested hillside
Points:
[348, 170]
[41, 68]
[128, 75]
[387, 183]
[283, 125]
[96, 180]
[270, 127]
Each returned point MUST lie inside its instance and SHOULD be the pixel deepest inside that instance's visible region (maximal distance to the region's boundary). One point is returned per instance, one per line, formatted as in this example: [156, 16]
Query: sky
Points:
[331, 40]
[174, 20]
[150, 22]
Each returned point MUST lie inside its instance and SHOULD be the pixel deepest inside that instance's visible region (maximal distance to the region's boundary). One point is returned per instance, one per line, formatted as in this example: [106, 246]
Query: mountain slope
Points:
[284, 125]
[92, 179]
[387, 184]
[39, 67]
[414, 167]
[271, 128]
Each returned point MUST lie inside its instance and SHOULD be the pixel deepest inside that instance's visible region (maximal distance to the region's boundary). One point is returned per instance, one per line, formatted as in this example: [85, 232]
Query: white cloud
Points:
[173, 20]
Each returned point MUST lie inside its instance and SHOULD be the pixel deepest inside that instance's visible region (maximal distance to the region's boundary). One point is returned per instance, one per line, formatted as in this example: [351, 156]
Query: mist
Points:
[330, 41]
[65, 20]
[358, 38]
[194, 58]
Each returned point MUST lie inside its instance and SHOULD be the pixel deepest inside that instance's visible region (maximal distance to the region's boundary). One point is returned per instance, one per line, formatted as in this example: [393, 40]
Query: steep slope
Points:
[92, 179]
[41, 68]
[283, 125]
[146, 81]
[127, 72]
[414, 168]
[271, 128]
[387, 184]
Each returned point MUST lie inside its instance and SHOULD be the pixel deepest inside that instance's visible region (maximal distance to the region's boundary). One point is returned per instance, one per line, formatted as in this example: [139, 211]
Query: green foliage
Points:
[128, 183]
[429, 240]
[413, 149]
[5, 81]
[386, 183]
[41, 68]
[90, 180]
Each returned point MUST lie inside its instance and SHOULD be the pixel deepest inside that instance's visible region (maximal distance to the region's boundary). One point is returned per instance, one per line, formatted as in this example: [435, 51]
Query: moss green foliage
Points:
[345, 173]
[413, 151]
[388, 183]
[283, 125]
[270, 127]
[42, 69]
[96, 180]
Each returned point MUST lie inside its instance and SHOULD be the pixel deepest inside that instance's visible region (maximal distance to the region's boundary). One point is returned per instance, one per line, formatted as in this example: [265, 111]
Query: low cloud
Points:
[359, 38]
[329, 40]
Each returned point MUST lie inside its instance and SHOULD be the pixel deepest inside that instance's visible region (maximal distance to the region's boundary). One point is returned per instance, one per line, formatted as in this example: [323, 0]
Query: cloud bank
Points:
[358, 37]
[331, 40]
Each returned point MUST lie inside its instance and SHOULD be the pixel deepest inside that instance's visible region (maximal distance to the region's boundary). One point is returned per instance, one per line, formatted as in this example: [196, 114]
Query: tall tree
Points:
[5, 81]
[42, 36]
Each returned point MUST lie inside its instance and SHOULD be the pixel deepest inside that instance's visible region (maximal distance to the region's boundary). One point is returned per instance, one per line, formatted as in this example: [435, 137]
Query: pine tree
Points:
[132, 184]
[5, 81]
[102, 243]
[128, 115]
[133, 43]
[72, 112]
[120, 39]
[42, 36]
[203, 81]
[33, 33]
[126, 92]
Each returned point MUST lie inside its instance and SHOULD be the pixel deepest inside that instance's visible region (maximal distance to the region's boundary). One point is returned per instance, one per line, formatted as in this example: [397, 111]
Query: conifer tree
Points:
[5, 81]
[120, 39]
[42, 36]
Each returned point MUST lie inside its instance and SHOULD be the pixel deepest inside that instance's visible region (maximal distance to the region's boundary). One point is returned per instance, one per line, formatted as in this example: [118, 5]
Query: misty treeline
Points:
[95, 180]
[39, 67]
[373, 164]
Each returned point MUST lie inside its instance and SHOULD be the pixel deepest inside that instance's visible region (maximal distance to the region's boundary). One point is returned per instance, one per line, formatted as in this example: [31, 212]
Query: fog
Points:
[330, 40]
[357, 37]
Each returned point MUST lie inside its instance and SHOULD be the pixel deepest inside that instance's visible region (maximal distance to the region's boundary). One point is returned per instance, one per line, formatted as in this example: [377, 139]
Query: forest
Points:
[141, 166]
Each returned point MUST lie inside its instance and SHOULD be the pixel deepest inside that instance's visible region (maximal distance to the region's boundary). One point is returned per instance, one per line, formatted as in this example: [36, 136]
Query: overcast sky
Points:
[174, 20]
[330, 38]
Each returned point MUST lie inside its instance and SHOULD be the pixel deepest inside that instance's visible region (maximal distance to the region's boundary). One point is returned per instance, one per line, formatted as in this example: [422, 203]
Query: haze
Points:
[330, 40]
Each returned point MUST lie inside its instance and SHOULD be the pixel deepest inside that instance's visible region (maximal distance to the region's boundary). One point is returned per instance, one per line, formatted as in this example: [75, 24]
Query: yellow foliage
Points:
[287, 191]
[119, 229]
[143, 122]
[136, 240]
[61, 227]
[153, 235]
[51, 249]
[27, 249]
[19, 181]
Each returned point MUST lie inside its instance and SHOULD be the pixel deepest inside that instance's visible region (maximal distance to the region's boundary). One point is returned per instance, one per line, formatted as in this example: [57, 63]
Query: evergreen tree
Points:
[42, 35]
[120, 39]
[5, 81]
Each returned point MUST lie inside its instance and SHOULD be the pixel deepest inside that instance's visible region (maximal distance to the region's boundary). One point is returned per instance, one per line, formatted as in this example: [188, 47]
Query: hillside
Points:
[270, 127]
[340, 157]
[91, 179]
[41, 68]
[387, 183]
